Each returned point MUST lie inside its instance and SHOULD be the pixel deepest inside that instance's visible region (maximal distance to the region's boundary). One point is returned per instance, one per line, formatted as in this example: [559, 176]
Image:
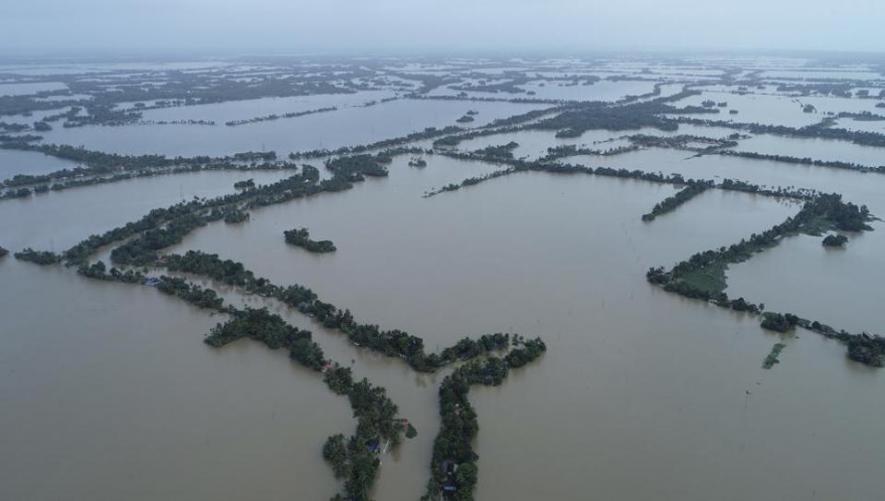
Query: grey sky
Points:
[443, 24]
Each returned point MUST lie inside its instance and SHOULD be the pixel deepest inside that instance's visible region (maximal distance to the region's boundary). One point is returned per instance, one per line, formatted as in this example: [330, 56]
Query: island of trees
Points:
[300, 237]
[834, 240]
[772, 358]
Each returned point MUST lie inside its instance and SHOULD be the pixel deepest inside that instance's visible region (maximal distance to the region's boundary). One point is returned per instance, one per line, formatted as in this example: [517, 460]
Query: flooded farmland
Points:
[512, 207]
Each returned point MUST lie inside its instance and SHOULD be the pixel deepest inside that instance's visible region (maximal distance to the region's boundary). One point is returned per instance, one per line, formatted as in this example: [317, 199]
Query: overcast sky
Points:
[416, 25]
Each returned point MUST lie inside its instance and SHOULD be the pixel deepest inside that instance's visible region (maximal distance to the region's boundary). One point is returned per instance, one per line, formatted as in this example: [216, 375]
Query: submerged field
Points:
[661, 247]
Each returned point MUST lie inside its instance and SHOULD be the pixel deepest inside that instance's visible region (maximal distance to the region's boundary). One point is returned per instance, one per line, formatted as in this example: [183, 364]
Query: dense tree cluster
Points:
[270, 329]
[671, 203]
[42, 258]
[834, 240]
[99, 271]
[684, 142]
[245, 185]
[597, 115]
[142, 250]
[499, 151]
[771, 359]
[192, 293]
[570, 150]
[300, 237]
[235, 216]
[354, 168]
[779, 322]
[866, 349]
[454, 470]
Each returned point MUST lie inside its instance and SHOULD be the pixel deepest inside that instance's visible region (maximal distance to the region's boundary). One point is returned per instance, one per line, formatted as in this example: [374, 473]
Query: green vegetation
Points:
[271, 117]
[454, 470]
[670, 204]
[392, 343]
[835, 240]
[772, 359]
[43, 258]
[486, 360]
[245, 185]
[354, 459]
[866, 349]
[779, 322]
[300, 237]
[820, 132]
[500, 151]
[192, 293]
[411, 432]
[470, 181]
[570, 150]
[235, 216]
[710, 278]
[819, 214]
[164, 227]
[99, 271]
[835, 164]
[521, 165]
[104, 168]
[688, 142]
[595, 116]
[703, 275]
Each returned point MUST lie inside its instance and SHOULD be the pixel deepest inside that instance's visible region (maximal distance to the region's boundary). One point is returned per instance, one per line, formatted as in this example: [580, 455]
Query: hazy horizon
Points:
[337, 26]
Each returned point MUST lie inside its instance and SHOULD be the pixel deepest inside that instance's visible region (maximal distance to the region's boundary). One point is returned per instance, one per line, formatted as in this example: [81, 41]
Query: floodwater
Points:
[818, 149]
[23, 89]
[641, 377]
[799, 276]
[114, 396]
[344, 127]
[109, 393]
[839, 287]
[14, 162]
[251, 108]
[57, 220]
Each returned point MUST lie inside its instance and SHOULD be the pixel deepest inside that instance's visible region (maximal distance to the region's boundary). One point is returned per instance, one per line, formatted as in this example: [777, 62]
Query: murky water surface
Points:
[109, 393]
